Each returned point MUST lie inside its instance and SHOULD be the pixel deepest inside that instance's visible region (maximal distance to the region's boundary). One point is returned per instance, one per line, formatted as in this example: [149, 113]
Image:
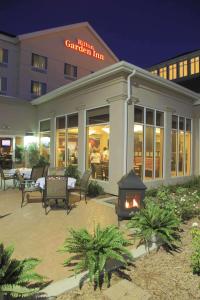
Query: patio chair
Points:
[26, 189]
[56, 189]
[45, 170]
[83, 185]
[37, 172]
[5, 177]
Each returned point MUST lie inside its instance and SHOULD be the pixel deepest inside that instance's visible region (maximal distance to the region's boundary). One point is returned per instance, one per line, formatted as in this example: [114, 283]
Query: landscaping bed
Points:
[163, 275]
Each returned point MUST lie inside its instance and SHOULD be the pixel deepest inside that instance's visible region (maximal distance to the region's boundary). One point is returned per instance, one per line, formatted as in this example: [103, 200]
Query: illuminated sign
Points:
[84, 48]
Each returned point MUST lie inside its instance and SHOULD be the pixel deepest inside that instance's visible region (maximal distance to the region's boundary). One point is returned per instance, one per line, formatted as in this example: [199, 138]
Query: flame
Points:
[127, 205]
[135, 203]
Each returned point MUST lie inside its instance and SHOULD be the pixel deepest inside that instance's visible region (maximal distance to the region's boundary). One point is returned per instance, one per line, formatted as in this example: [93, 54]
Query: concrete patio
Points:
[34, 234]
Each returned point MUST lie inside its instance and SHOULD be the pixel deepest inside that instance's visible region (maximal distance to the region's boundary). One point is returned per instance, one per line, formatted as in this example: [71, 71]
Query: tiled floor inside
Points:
[35, 234]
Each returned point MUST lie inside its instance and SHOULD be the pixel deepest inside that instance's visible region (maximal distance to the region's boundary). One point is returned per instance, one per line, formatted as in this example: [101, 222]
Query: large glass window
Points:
[72, 139]
[148, 142]
[194, 65]
[39, 62]
[44, 139]
[98, 132]
[67, 140]
[181, 146]
[183, 68]
[172, 71]
[60, 142]
[3, 56]
[155, 72]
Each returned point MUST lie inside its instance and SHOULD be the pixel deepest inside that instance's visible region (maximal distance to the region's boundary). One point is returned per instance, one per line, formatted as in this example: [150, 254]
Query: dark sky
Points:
[142, 32]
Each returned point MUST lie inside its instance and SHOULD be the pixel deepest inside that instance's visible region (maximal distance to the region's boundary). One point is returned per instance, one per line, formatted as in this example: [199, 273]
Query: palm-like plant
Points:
[93, 252]
[16, 275]
[155, 222]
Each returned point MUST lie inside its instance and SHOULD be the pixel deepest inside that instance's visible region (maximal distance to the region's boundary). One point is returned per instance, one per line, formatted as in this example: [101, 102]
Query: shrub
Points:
[16, 275]
[42, 161]
[33, 154]
[155, 222]
[19, 153]
[92, 252]
[94, 189]
[195, 258]
[72, 171]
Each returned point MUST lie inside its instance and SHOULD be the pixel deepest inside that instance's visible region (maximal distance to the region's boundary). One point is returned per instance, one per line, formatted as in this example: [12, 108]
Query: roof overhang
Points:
[120, 67]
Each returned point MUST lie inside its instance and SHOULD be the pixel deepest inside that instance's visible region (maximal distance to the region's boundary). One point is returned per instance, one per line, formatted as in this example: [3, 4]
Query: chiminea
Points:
[131, 195]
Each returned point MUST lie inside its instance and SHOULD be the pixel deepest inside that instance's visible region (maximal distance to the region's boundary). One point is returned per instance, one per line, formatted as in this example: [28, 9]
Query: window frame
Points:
[177, 147]
[42, 84]
[4, 61]
[3, 91]
[73, 71]
[36, 68]
[154, 126]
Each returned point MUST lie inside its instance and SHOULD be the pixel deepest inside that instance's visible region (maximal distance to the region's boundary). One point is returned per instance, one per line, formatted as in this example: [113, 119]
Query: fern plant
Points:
[157, 223]
[17, 275]
[93, 252]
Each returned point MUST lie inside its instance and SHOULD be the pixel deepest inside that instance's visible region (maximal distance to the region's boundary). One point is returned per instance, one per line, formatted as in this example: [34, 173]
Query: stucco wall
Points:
[52, 46]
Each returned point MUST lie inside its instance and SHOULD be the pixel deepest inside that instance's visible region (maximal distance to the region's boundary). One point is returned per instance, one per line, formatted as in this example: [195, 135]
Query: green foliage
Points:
[72, 171]
[16, 276]
[156, 222]
[94, 189]
[195, 258]
[185, 202]
[33, 154]
[19, 153]
[42, 161]
[93, 252]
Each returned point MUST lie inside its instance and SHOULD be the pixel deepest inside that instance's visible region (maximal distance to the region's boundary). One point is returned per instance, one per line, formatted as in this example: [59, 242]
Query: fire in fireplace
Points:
[131, 195]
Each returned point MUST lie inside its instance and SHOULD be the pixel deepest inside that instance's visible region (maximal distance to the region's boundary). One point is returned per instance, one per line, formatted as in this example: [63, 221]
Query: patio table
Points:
[26, 172]
[41, 182]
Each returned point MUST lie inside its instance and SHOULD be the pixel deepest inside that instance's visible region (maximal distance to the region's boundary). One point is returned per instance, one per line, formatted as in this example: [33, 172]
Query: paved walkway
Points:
[37, 235]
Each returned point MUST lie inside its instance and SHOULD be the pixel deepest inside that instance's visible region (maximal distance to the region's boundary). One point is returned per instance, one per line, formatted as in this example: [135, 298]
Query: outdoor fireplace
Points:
[131, 195]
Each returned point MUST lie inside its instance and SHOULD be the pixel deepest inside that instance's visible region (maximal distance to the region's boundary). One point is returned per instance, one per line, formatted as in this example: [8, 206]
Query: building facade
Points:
[183, 69]
[35, 63]
[119, 118]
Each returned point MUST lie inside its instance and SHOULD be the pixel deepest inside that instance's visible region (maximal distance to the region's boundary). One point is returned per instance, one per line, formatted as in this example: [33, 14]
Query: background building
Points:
[183, 69]
[35, 63]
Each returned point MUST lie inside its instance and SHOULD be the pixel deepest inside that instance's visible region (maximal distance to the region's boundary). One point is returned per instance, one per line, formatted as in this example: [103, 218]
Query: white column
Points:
[81, 140]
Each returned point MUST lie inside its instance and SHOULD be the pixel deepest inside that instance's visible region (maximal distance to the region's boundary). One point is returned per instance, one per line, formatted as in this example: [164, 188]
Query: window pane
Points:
[60, 147]
[60, 123]
[138, 149]
[45, 145]
[39, 61]
[181, 153]
[72, 121]
[188, 125]
[149, 159]
[72, 146]
[98, 151]
[149, 116]
[159, 118]
[174, 153]
[187, 153]
[181, 123]
[175, 122]
[159, 153]
[98, 115]
[45, 125]
[139, 114]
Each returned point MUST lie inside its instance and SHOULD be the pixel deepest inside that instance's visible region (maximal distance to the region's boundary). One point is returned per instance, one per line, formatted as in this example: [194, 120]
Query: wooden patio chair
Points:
[5, 177]
[45, 170]
[26, 187]
[56, 189]
[83, 185]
